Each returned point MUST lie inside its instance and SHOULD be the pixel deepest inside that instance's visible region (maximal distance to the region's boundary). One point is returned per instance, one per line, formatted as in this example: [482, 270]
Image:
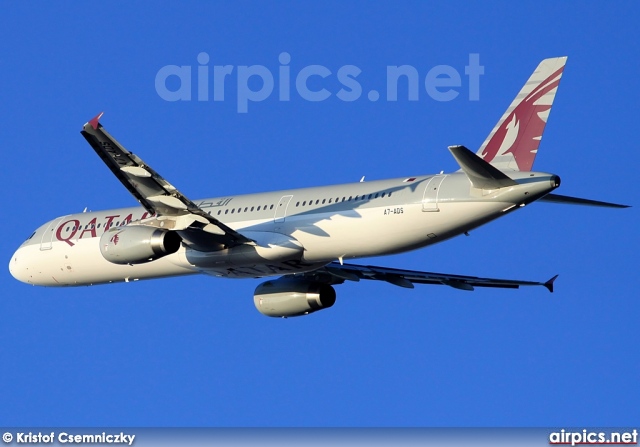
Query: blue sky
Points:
[194, 351]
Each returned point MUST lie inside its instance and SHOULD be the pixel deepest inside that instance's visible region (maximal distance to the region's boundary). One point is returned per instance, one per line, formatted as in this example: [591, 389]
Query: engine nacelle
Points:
[292, 298]
[138, 244]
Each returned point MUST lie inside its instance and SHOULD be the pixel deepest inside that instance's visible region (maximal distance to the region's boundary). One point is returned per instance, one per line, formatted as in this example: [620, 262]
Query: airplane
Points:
[302, 236]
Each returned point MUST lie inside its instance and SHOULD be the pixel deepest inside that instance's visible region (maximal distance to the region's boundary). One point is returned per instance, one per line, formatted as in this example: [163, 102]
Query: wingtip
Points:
[94, 122]
[549, 284]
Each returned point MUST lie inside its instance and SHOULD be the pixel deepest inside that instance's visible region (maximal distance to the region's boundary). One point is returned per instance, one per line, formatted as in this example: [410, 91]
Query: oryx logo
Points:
[115, 239]
[521, 131]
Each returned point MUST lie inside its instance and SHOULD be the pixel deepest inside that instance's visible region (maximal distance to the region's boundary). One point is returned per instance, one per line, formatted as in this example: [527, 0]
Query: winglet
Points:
[549, 284]
[481, 174]
[94, 121]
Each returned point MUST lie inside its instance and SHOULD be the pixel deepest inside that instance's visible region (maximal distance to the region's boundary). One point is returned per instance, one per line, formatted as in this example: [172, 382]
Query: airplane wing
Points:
[158, 196]
[336, 273]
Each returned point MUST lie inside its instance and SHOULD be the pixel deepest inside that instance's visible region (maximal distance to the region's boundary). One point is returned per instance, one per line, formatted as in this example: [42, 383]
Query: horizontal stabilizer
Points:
[481, 174]
[557, 198]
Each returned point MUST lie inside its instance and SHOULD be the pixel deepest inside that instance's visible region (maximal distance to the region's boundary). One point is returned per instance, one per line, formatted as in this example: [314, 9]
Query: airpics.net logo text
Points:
[313, 83]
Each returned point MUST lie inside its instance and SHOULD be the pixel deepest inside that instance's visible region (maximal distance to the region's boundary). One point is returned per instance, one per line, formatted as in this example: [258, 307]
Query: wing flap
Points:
[136, 171]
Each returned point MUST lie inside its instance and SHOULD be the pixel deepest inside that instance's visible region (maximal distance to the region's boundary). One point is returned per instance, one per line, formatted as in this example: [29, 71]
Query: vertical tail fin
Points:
[513, 142]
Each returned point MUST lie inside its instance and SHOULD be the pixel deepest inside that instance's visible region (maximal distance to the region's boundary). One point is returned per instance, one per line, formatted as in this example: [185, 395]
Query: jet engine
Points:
[292, 298]
[138, 244]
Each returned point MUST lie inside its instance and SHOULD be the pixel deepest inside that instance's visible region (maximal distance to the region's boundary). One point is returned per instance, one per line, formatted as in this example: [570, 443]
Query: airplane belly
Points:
[382, 231]
[273, 254]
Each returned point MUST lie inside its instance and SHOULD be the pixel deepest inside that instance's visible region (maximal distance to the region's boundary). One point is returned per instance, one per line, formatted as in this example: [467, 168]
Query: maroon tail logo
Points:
[523, 127]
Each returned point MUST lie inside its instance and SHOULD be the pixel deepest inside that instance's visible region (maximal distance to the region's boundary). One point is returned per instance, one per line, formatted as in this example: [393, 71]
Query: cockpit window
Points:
[32, 234]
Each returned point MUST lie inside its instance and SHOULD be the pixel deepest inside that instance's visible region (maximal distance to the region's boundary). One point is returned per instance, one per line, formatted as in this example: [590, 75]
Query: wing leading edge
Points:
[336, 273]
[157, 195]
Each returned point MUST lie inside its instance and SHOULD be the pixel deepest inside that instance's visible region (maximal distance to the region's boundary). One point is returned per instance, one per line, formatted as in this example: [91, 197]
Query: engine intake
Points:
[138, 244]
[292, 298]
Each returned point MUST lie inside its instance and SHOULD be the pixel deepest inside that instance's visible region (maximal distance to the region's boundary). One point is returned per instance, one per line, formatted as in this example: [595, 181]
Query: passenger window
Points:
[271, 207]
[323, 201]
[330, 200]
[304, 203]
[251, 208]
[258, 209]
[297, 204]
[383, 195]
[226, 211]
[219, 211]
[376, 196]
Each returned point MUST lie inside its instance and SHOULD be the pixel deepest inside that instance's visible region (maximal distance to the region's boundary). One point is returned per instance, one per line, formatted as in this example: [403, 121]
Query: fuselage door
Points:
[281, 209]
[49, 233]
[430, 198]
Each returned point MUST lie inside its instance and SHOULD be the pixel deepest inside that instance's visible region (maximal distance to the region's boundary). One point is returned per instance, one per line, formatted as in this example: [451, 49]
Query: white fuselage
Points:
[295, 231]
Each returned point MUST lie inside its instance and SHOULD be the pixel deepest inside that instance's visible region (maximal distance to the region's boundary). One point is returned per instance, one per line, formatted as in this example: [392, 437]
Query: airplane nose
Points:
[17, 270]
